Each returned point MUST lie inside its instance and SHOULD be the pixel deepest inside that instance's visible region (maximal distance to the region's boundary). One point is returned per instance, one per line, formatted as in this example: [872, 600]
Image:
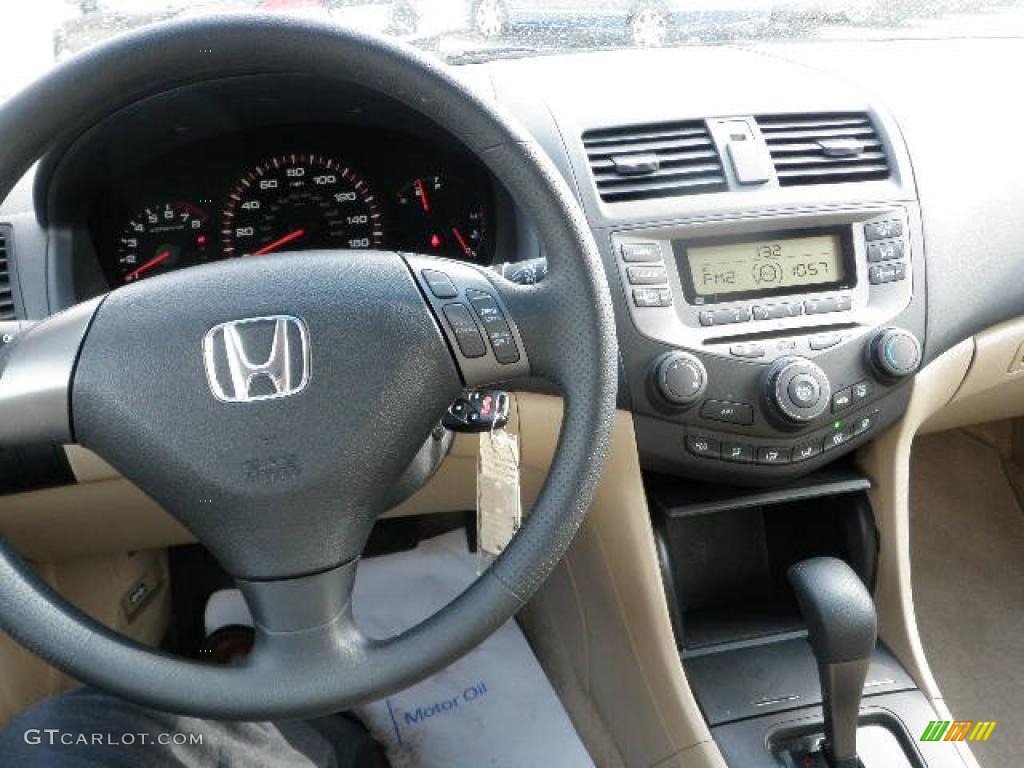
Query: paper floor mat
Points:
[494, 707]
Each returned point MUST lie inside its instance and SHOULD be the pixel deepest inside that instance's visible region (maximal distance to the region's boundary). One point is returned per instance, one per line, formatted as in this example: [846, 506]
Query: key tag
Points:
[498, 505]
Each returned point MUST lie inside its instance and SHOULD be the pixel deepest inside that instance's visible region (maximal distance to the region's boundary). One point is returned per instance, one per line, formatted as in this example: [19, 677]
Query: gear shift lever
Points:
[842, 628]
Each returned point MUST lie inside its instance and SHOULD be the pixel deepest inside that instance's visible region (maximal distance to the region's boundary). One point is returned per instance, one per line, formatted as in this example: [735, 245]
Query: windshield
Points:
[43, 32]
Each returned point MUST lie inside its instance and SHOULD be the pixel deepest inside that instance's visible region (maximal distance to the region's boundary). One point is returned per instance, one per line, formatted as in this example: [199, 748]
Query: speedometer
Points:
[300, 201]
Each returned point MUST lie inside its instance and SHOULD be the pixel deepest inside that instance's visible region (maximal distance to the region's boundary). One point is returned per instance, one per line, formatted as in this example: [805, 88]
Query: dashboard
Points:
[291, 188]
[769, 321]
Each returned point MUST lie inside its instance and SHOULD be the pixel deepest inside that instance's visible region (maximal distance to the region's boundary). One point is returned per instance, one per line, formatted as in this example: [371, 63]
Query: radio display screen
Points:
[769, 265]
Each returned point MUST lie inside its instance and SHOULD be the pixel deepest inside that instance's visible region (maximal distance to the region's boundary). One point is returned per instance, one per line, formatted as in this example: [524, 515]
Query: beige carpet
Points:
[967, 549]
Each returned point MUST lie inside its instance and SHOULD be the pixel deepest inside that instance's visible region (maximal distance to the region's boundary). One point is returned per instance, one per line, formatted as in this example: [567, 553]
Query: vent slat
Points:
[867, 132]
[710, 170]
[6, 291]
[640, 147]
[805, 160]
[680, 159]
[824, 148]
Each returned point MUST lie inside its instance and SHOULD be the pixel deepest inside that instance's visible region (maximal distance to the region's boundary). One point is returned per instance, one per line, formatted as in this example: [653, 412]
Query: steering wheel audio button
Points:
[467, 335]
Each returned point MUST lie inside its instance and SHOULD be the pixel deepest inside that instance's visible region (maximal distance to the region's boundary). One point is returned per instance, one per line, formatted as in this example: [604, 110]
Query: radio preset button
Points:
[776, 311]
[747, 350]
[728, 412]
[646, 275]
[883, 230]
[725, 316]
[634, 252]
[652, 297]
[887, 273]
[887, 251]
[828, 341]
[830, 304]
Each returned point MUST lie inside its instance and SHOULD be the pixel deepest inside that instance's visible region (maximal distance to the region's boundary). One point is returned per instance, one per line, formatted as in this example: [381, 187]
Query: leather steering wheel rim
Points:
[319, 663]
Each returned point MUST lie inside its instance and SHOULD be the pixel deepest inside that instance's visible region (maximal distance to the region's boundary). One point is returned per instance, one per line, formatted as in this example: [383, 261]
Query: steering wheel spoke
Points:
[35, 378]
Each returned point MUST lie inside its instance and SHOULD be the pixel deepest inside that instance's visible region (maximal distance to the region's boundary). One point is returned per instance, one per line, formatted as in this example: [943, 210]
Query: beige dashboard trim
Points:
[993, 388]
[886, 461]
[606, 604]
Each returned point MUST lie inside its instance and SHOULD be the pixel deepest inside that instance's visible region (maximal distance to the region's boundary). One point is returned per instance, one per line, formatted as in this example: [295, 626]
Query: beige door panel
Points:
[102, 587]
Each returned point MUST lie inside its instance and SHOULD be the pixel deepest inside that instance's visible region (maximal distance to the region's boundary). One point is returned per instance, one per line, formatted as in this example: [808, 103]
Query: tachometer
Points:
[161, 238]
[300, 202]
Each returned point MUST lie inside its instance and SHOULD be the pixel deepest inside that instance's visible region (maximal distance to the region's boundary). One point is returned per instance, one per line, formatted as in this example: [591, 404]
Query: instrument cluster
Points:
[292, 189]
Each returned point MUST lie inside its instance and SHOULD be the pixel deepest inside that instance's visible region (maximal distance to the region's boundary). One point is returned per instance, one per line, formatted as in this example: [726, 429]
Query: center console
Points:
[769, 344]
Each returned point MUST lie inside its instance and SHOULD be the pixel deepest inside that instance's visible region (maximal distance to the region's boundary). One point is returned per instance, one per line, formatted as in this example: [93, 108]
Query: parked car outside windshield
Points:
[46, 32]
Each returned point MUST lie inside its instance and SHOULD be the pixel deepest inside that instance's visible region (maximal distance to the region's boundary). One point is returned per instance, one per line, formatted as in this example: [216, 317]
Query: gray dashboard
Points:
[947, 128]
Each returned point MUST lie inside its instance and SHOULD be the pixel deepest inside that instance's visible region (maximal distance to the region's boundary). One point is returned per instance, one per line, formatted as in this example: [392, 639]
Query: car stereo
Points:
[769, 341]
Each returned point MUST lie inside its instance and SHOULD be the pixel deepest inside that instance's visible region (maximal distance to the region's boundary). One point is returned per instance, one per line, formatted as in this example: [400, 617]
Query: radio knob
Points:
[679, 378]
[796, 390]
[894, 353]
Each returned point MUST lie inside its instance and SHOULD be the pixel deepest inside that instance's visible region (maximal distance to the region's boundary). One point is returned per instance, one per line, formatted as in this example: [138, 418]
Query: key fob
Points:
[478, 410]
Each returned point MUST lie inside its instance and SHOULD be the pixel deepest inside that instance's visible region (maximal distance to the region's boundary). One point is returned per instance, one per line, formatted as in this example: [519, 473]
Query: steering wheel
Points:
[280, 462]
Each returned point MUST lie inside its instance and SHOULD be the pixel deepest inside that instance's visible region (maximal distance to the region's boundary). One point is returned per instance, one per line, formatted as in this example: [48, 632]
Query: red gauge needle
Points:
[462, 242]
[158, 259]
[279, 242]
[424, 200]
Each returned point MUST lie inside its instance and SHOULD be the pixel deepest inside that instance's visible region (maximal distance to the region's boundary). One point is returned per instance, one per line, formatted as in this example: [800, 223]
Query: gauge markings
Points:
[319, 197]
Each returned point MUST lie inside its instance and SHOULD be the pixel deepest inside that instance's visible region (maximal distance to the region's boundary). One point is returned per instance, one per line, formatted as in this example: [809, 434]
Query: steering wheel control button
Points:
[702, 446]
[741, 453]
[680, 378]
[728, 412]
[883, 230]
[480, 410]
[804, 391]
[647, 275]
[889, 251]
[772, 455]
[440, 284]
[796, 390]
[652, 297]
[498, 333]
[634, 252]
[777, 311]
[842, 400]
[887, 273]
[467, 335]
[894, 353]
[747, 350]
[826, 341]
[807, 451]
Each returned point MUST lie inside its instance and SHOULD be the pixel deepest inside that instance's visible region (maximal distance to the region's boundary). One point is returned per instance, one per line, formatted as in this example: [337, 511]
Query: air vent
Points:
[824, 148]
[641, 162]
[6, 291]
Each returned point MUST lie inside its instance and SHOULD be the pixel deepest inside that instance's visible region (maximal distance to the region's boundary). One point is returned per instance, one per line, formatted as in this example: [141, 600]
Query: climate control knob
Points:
[679, 378]
[894, 353]
[796, 390]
